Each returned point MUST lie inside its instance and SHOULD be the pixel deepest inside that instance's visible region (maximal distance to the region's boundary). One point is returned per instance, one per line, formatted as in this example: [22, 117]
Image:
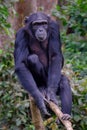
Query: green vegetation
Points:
[74, 16]
[14, 103]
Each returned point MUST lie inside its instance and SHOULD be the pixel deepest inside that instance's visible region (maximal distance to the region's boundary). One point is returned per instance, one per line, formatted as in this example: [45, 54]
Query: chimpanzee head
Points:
[38, 25]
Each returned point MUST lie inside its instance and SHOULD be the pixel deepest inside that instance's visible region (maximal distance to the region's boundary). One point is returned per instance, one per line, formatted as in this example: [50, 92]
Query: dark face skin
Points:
[40, 28]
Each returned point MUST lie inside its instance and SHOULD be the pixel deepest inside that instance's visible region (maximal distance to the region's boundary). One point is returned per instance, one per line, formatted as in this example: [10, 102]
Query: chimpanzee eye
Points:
[35, 25]
[44, 23]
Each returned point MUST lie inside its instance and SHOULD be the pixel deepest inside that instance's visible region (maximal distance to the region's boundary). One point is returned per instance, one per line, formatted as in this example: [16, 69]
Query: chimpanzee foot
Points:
[66, 117]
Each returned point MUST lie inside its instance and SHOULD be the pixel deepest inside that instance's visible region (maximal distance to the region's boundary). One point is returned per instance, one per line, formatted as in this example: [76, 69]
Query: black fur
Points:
[38, 64]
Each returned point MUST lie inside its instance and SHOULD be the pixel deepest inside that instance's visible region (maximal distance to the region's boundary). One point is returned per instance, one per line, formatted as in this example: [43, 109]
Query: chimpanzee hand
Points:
[49, 94]
[39, 99]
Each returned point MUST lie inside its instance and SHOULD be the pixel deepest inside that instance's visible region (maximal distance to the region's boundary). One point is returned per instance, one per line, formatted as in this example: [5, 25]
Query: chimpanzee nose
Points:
[40, 29]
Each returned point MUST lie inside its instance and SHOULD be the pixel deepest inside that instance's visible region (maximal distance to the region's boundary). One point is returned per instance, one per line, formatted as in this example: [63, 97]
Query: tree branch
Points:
[37, 119]
[59, 114]
[36, 116]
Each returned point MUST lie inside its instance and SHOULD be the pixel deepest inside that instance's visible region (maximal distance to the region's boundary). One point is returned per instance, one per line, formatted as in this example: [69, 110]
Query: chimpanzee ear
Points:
[27, 26]
[26, 20]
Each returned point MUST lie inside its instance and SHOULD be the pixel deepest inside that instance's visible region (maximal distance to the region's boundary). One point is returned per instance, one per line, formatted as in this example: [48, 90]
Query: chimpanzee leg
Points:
[37, 71]
[36, 67]
[65, 96]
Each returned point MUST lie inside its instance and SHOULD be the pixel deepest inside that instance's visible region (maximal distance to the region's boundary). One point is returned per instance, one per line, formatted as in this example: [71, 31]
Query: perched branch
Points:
[37, 119]
[36, 116]
[59, 114]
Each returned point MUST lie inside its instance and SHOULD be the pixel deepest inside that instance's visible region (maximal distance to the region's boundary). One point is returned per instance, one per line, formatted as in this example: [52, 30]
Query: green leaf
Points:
[1, 51]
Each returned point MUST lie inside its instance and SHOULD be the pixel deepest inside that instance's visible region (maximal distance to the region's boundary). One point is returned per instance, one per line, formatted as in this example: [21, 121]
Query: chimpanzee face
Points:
[40, 28]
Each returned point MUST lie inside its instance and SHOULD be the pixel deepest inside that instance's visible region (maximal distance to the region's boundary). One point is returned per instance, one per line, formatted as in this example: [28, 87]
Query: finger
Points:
[66, 117]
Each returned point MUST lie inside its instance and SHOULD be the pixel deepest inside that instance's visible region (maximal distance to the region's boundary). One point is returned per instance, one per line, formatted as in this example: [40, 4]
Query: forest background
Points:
[14, 102]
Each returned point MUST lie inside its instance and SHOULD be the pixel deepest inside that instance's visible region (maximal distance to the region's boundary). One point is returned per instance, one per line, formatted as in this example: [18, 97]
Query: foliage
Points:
[73, 16]
[80, 104]
[14, 102]
[3, 17]
[4, 13]
[75, 52]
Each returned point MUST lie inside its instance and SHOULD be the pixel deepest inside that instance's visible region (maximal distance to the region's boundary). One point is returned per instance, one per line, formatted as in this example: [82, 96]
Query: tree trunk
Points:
[23, 8]
[46, 6]
[61, 2]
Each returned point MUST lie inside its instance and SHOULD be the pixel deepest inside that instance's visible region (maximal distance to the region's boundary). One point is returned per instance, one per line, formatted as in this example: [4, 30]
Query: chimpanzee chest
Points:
[40, 49]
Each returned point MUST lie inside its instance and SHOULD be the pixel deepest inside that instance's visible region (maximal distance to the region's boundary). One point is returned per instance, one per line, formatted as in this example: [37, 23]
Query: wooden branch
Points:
[37, 119]
[36, 116]
[59, 114]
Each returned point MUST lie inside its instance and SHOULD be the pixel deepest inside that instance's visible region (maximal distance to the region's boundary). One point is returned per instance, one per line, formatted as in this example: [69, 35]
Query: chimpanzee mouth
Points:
[41, 38]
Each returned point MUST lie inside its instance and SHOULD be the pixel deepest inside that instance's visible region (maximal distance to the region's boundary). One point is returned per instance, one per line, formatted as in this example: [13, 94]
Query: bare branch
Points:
[37, 119]
[59, 114]
[36, 116]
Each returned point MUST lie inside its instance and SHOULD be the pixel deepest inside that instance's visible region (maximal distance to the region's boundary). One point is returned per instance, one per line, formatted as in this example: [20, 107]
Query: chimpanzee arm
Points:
[21, 54]
[55, 58]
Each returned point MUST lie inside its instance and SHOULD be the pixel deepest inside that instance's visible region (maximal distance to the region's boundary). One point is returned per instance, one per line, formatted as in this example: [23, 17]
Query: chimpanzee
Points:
[39, 60]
